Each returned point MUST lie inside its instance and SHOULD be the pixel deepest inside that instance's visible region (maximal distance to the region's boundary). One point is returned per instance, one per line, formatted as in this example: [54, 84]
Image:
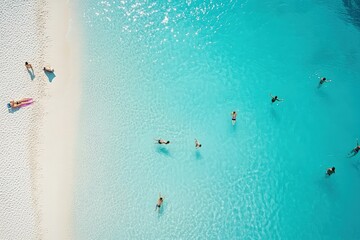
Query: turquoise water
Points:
[175, 70]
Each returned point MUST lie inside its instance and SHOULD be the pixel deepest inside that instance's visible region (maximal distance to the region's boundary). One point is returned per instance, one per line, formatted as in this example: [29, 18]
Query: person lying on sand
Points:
[20, 103]
[48, 69]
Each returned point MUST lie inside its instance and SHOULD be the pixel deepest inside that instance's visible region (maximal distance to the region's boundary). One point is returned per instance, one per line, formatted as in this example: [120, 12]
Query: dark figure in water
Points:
[233, 117]
[355, 150]
[323, 80]
[197, 144]
[274, 99]
[330, 171]
[159, 203]
[161, 141]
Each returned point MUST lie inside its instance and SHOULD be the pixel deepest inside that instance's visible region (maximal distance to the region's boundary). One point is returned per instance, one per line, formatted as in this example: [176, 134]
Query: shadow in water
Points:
[323, 94]
[274, 114]
[50, 75]
[160, 211]
[327, 185]
[198, 155]
[356, 165]
[163, 151]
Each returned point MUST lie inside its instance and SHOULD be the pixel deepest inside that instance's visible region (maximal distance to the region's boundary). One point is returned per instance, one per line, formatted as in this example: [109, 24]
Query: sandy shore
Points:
[38, 141]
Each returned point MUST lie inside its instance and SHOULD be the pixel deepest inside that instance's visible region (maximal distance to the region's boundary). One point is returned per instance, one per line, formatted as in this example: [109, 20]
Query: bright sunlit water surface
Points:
[175, 70]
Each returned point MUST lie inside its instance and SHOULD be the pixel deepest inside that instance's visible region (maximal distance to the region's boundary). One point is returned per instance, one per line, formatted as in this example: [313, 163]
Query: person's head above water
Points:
[167, 142]
[26, 63]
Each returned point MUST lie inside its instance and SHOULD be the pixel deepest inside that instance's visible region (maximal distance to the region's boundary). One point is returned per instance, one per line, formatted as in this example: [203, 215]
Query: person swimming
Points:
[197, 144]
[233, 117]
[355, 150]
[323, 80]
[330, 171]
[274, 99]
[161, 141]
[159, 203]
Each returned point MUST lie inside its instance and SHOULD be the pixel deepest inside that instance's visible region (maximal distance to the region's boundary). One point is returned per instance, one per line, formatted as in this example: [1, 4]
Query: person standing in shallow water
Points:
[274, 99]
[159, 203]
[233, 117]
[356, 150]
[330, 171]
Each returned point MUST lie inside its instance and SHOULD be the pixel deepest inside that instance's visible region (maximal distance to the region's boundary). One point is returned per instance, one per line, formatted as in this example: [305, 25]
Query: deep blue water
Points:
[175, 70]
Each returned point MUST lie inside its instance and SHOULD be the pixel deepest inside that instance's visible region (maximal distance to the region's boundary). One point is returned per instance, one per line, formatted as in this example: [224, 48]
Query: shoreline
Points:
[38, 141]
[59, 131]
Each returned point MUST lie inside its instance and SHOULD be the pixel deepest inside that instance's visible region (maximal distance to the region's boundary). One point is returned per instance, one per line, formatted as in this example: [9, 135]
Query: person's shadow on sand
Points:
[50, 75]
[10, 109]
[31, 73]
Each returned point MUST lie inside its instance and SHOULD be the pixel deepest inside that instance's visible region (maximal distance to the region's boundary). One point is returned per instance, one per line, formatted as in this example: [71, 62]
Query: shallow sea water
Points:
[176, 70]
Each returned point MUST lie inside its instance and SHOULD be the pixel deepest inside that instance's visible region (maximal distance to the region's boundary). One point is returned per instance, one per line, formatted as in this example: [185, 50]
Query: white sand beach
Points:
[38, 141]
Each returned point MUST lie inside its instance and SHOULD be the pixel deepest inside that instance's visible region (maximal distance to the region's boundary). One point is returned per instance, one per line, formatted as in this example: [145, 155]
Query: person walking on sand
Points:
[330, 171]
[197, 144]
[274, 99]
[159, 203]
[162, 141]
[356, 150]
[29, 66]
[233, 117]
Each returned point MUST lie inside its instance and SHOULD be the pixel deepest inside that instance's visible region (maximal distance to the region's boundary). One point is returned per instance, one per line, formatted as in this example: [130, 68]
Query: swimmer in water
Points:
[274, 99]
[233, 117]
[197, 144]
[356, 150]
[323, 80]
[162, 141]
[330, 171]
[159, 203]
